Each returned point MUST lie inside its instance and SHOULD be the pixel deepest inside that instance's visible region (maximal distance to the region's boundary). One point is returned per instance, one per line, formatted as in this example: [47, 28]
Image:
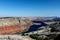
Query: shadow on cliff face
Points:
[58, 37]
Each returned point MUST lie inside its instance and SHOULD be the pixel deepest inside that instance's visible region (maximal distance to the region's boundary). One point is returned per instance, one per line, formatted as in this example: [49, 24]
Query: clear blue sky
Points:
[33, 8]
